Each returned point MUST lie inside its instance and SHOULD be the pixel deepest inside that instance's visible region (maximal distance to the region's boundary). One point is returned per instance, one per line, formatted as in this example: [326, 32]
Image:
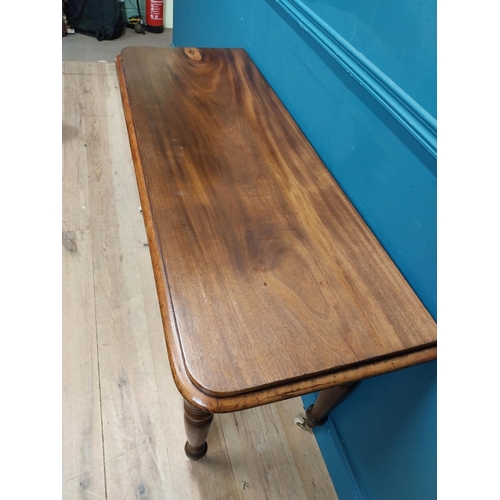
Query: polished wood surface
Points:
[122, 420]
[197, 423]
[270, 284]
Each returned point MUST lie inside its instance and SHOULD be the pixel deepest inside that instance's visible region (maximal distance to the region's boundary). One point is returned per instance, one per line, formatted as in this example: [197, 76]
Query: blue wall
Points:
[398, 36]
[385, 431]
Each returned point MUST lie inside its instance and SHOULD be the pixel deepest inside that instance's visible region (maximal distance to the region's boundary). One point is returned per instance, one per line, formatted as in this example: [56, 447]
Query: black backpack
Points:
[101, 19]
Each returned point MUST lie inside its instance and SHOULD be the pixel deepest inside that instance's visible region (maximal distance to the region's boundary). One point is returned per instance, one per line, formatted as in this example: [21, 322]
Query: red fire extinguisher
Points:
[154, 16]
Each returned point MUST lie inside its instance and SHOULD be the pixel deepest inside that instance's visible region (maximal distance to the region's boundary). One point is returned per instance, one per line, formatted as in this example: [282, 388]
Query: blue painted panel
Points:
[399, 36]
[393, 455]
[410, 115]
[208, 23]
[402, 424]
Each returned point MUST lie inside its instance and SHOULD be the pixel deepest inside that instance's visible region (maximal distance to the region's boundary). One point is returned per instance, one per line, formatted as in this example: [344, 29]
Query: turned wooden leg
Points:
[328, 399]
[197, 424]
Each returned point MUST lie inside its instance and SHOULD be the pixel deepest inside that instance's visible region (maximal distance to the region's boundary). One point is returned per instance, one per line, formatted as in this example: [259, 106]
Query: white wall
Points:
[168, 13]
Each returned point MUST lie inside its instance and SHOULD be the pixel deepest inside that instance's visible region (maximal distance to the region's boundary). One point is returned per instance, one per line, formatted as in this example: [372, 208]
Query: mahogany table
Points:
[269, 282]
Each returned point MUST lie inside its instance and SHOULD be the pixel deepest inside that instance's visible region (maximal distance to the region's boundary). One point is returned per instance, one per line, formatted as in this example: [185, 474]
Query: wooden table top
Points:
[270, 284]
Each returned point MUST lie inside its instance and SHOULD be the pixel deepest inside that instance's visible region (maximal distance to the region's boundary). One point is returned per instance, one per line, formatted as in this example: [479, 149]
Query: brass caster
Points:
[300, 422]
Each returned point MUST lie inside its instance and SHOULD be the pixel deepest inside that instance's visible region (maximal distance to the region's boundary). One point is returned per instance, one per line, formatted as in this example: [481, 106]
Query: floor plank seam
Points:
[221, 427]
[100, 389]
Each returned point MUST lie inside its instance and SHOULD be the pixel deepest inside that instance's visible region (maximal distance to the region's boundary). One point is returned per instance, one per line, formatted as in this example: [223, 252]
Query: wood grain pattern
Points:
[140, 453]
[266, 274]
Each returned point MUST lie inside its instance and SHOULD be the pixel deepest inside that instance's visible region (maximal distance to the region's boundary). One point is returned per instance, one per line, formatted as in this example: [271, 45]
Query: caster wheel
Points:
[300, 422]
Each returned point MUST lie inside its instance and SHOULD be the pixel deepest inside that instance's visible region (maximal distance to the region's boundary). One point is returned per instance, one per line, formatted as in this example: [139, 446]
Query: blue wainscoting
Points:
[360, 80]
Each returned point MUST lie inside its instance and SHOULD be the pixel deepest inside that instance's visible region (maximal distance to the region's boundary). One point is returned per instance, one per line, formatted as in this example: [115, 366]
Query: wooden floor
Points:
[123, 432]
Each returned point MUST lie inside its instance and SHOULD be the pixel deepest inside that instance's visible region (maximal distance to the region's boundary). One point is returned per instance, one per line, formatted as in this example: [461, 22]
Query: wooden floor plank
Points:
[303, 446]
[74, 168]
[137, 463]
[260, 449]
[207, 479]
[87, 68]
[83, 472]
